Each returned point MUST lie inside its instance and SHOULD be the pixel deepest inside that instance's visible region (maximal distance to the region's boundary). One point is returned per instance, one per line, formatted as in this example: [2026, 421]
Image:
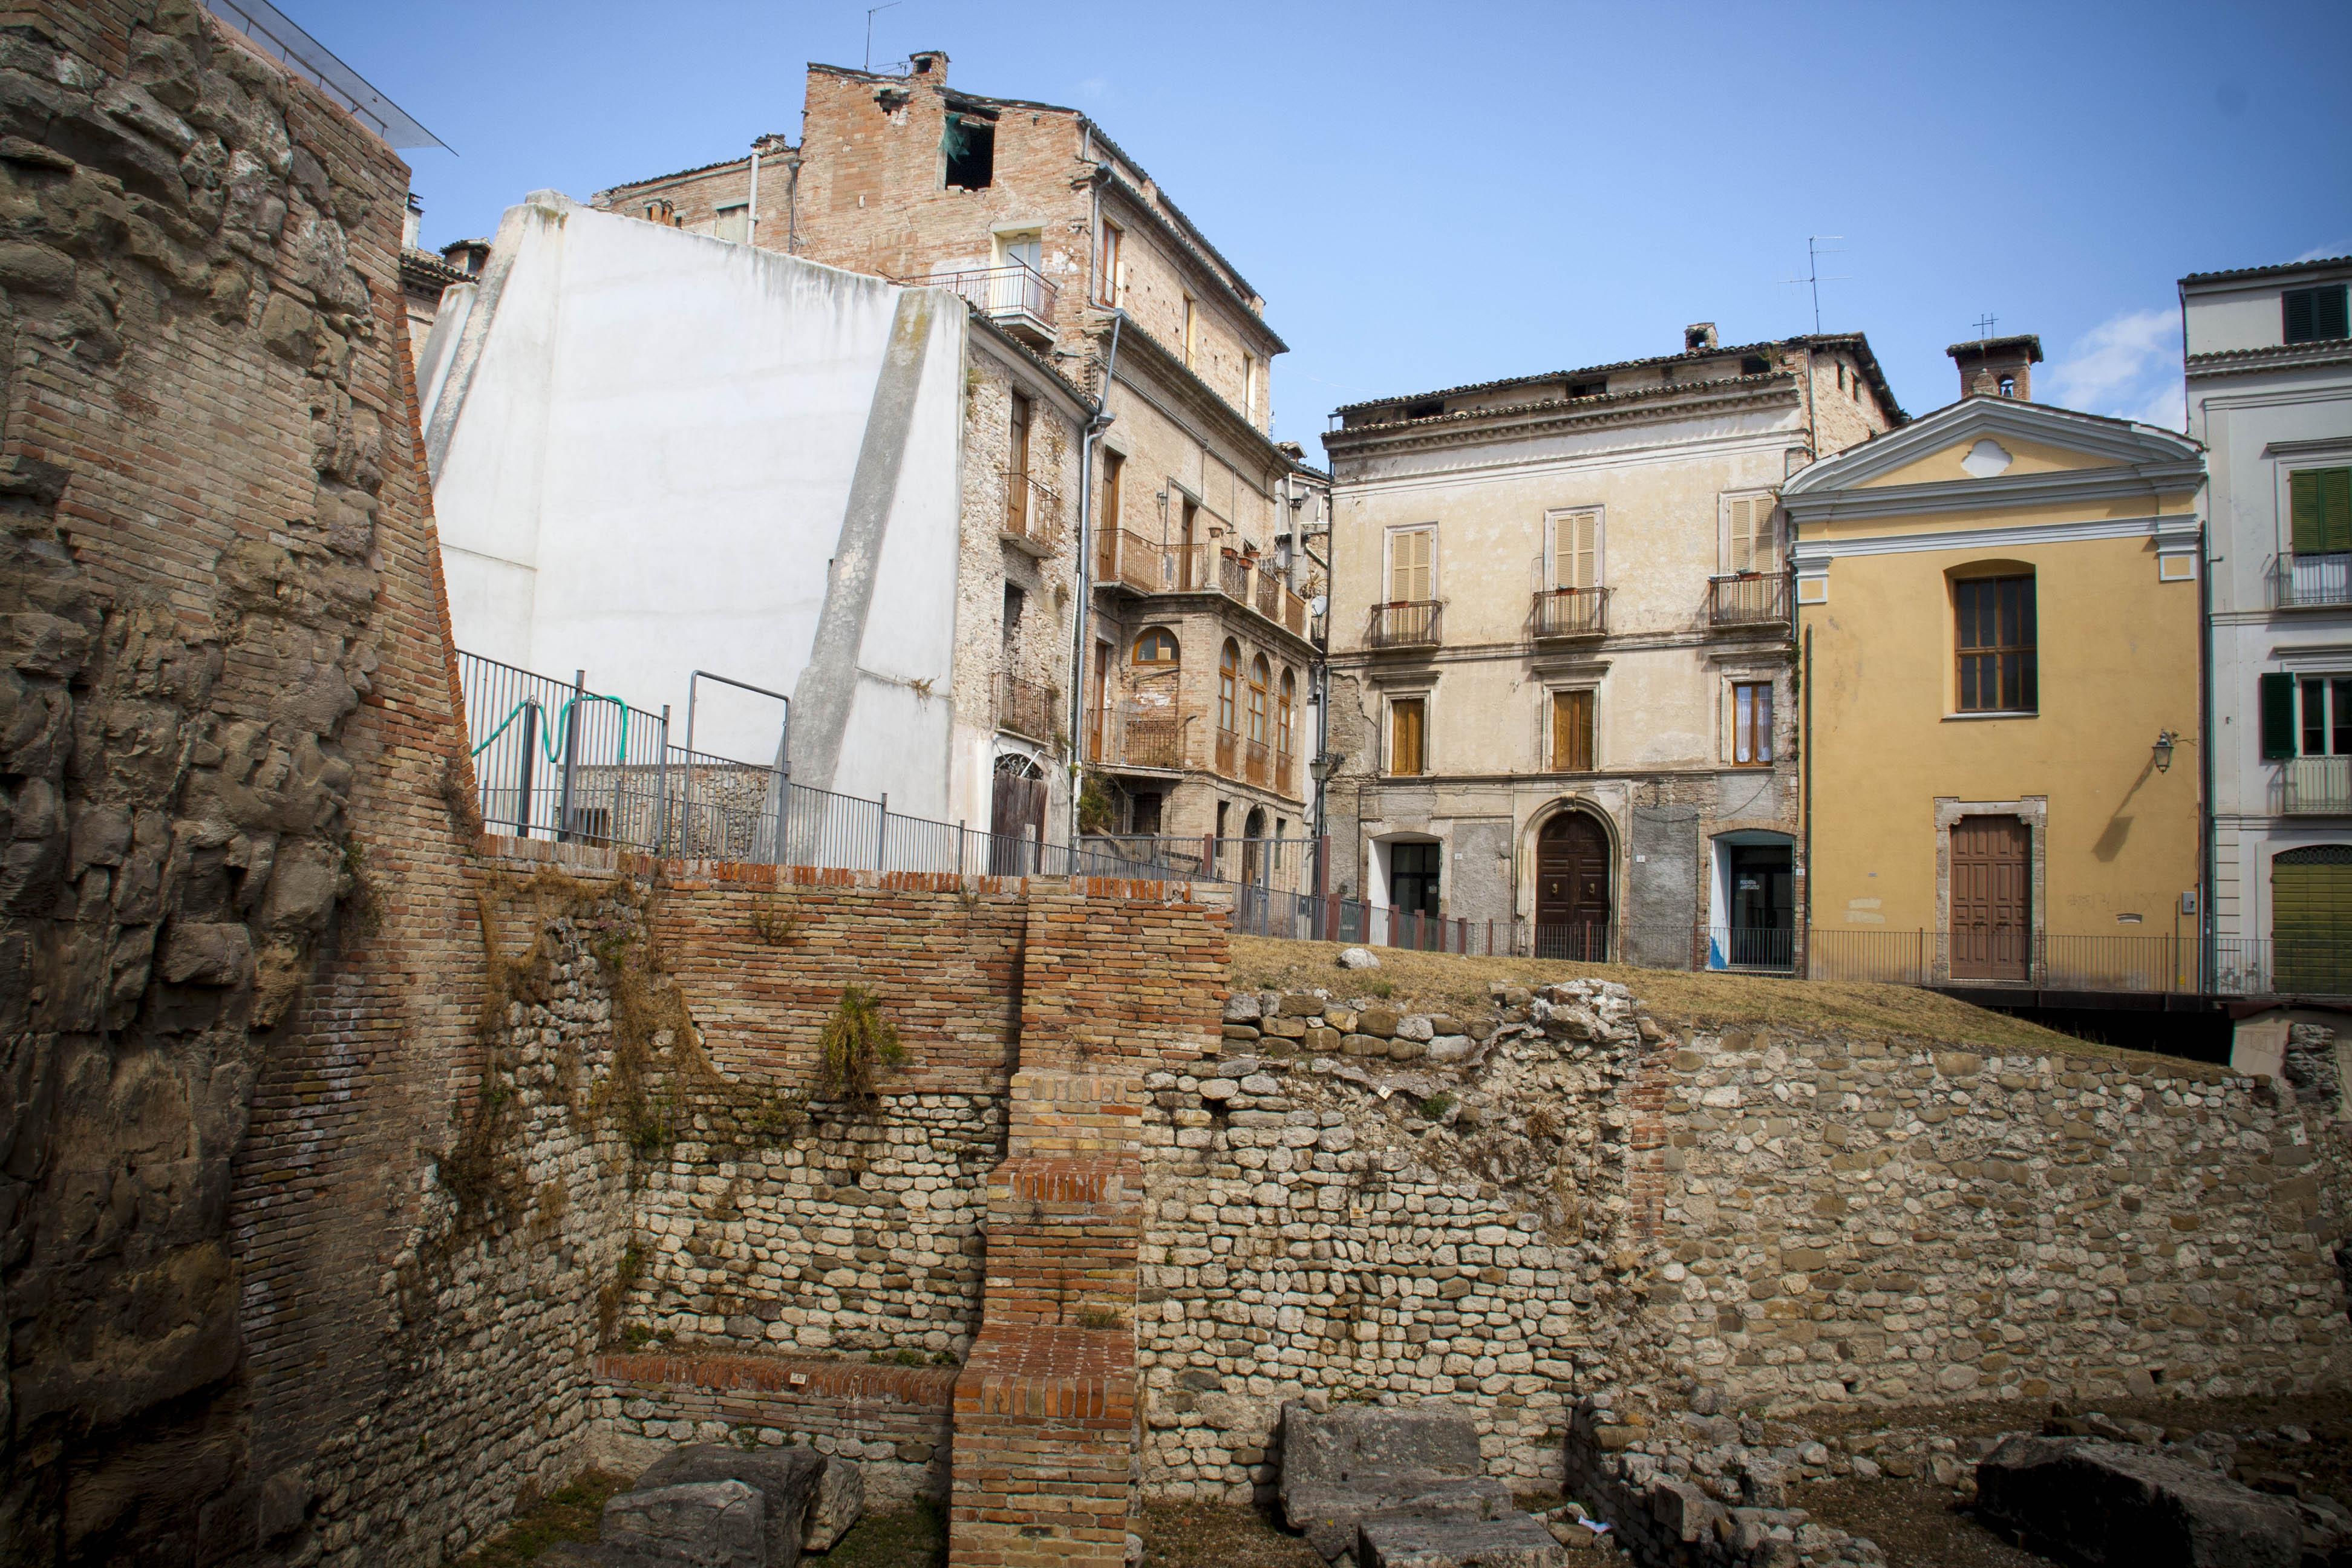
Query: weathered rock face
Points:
[209, 532]
[2099, 1501]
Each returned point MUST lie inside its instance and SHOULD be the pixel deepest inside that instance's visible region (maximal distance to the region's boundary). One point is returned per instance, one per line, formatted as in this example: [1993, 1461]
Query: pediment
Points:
[2001, 444]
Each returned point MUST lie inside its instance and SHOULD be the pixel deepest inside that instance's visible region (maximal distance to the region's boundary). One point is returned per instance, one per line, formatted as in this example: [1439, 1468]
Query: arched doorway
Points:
[2311, 919]
[1017, 817]
[1572, 876]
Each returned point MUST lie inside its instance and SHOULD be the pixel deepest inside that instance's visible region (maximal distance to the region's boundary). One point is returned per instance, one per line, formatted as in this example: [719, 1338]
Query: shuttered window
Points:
[1572, 731]
[1749, 544]
[1575, 550]
[1413, 565]
[1408, 723]
[2315, 315]
[2321, 503]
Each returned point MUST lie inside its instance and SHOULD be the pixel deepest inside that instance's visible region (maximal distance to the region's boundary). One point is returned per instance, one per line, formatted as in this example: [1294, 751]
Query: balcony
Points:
[1025, 707]
[1408, 623]
[2315, 786]
[1129, 560]
[1748, 599]
[1015, 297]
[1571, 613]
[1032, 516]
[1277, 603]
[1134, 736]
[2314, 582]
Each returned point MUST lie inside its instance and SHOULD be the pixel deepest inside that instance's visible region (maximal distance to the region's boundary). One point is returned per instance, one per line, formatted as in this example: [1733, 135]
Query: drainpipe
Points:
[752, 211]
[2209, 940]
[1085, 617]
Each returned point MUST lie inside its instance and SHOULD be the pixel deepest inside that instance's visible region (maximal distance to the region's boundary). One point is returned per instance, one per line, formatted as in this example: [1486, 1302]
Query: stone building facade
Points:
[1197, 526]
[1562, 667]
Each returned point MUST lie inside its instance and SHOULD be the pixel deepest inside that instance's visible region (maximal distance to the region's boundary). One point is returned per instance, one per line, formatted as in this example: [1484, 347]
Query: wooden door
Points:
[1992, 913]
[1572, 876]
[1017, 823]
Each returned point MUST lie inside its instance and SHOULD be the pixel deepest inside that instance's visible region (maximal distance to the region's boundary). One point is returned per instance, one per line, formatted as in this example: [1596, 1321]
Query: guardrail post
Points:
[661, 786]
[960, 826]
[530, 750]
[571, 753]
[882, 835]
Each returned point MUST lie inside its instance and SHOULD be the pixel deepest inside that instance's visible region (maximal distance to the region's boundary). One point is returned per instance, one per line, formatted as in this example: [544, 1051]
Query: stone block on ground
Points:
[1358, 1462]
[701, 1524]
[1511, 1541]
[2101, 1502]
[839, 1502]
[789, 1481]
[1358, 958]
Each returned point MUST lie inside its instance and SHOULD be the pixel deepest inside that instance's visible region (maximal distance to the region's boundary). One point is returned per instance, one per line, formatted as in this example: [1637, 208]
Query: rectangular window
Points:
[1016, 468]
[1192, 328]
[1751, 724]
[969, 143]
[1407, 732]
[1114, 246]
[2321, 502]
[1749, 544]
[1572, 731]
[2315, 315]
[1413, 565]
[734, 223]
[2326, 704]
[1995, 645]
[1575, 550]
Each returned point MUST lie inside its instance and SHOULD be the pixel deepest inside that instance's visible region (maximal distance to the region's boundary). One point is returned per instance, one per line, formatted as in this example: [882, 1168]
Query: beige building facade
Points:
[1162, 637]
[1562, 667]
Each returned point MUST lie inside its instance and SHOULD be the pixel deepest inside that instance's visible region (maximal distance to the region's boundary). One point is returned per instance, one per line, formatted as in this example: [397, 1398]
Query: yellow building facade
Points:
[1998, 622]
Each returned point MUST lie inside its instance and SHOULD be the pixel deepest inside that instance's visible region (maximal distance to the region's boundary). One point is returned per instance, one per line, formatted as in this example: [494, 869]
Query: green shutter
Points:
[2320, 500]
[2311, 919]
[2327, 312]
[2299, 303]
[2278, 715]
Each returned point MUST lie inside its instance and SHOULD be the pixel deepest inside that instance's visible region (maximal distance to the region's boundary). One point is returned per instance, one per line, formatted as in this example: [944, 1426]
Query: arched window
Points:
[1229, 680]
[1156, 646]
[1258, 677]
[1286, 713]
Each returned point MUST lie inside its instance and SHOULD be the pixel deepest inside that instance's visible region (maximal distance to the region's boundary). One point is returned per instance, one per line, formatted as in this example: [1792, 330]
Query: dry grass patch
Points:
[1675, 997]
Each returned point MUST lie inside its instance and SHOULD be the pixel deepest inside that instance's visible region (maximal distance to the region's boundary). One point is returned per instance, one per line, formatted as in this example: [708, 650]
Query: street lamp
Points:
[2163, 740]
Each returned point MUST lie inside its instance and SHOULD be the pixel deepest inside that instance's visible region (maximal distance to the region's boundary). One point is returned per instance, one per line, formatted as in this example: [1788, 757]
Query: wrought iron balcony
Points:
[1015, 296]
[2308, 582]
[1571, 613]
[1748, 598]
[1025, 707]
[1032, 515]
[2315, 786]
[1133, 735]
[1407, 623]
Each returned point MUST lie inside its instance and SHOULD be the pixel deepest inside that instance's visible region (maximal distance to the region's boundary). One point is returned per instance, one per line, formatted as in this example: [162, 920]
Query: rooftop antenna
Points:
[869, 31]
[1813, 254]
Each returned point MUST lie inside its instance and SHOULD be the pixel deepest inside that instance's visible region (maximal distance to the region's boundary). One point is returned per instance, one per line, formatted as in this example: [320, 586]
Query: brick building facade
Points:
[1196, 525]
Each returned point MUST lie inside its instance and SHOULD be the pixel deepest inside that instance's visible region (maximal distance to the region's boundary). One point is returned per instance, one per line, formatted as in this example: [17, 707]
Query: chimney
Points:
[931, 65]
[412, 224]
[1998, 367]
[1699, 337]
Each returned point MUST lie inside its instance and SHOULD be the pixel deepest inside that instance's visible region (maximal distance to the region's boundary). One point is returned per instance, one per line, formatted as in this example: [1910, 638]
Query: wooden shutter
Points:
[1575, 550]
[1411, 567]
[2328, 313]
[1572, 731]
[2299, 302]
[1751, 535]
[2278, 715]
[2320, 500]
[1405, 719]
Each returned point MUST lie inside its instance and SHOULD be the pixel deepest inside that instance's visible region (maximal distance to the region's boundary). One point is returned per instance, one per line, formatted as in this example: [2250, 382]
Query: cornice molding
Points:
[2071, 487]
[2170, 531]
[1523, 421]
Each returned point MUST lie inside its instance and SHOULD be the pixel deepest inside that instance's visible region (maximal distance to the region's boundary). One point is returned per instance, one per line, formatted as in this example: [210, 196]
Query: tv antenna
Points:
[1985, 325]
[1813, 277]
[869, 30]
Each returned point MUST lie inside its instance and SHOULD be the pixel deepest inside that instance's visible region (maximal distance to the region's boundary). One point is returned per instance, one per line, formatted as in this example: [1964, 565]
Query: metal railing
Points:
[1129, 560]
[557, 760]
[1411, 623]
[1015, 295]
[1026, 707]
[2315, 786]
[1132, 735]
[1747, 598]
[1571, 613]
[1032, 512]
[2303, 581]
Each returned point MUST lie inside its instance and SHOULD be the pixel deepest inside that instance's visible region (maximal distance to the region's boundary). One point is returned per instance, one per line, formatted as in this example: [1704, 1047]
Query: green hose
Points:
[563, 716]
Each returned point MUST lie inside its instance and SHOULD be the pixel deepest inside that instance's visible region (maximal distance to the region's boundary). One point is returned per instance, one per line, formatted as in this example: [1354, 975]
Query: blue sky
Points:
[1427, 196]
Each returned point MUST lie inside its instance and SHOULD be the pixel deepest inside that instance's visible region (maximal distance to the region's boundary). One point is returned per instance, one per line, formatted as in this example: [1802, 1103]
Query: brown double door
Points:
[1992, 898]
[1572, 867]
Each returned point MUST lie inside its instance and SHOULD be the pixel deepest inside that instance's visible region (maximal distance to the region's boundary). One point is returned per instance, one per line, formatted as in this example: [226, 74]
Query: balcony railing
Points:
[1134, 736]
[1410, 623]
[1129, 560]
[1016, 297]
[1025, 707]
[1255, 761]
[2307, 581]
[1276, 602]
[1571, 613]
[1747, 598]
[1228, 743]
[1032, 515]
[2315, 786]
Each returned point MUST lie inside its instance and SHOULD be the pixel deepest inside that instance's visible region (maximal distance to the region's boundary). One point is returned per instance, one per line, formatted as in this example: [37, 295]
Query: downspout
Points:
[752, 218]
[2209, 936]
[1083, 620]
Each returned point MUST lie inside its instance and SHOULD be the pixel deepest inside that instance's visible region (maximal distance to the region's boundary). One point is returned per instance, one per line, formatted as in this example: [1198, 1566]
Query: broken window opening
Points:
[1753, 364]
[969, 143]
[1424, 410]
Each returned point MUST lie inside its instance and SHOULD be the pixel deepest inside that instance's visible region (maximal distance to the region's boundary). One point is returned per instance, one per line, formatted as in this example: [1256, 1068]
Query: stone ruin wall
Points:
[1612, 1211]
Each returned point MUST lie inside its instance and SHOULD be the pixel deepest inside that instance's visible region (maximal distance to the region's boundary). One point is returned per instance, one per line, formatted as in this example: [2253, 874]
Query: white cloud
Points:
[1097, 89]
[2128, 366]
[2327, 252]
